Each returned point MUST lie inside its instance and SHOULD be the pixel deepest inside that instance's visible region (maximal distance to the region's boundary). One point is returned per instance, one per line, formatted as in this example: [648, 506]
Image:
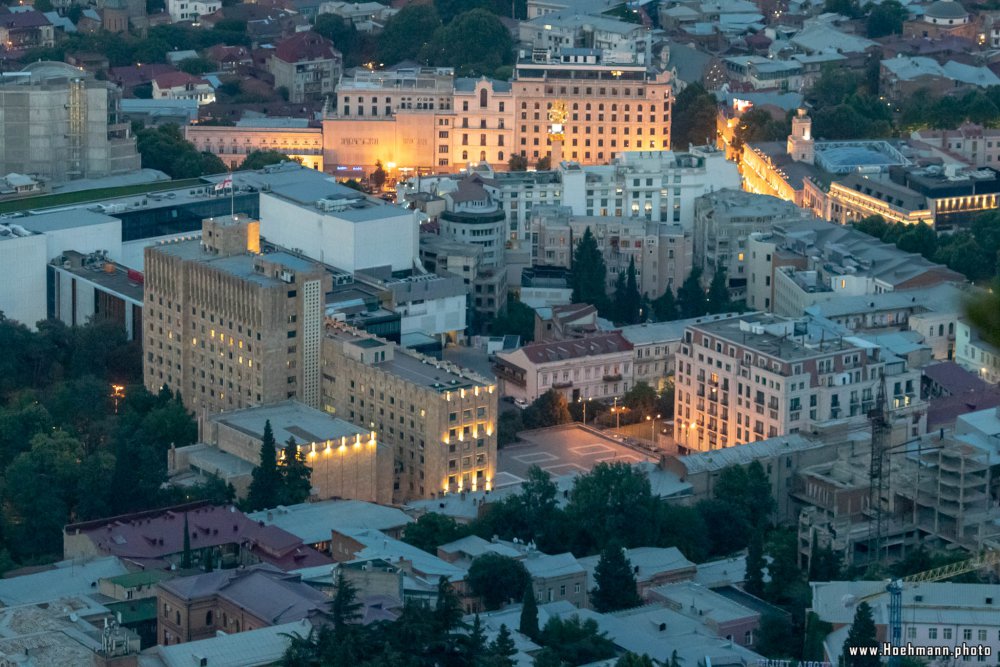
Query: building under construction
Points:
[59, 123]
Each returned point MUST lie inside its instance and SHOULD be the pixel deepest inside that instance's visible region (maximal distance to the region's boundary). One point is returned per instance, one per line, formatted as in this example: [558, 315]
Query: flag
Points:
[227, 182]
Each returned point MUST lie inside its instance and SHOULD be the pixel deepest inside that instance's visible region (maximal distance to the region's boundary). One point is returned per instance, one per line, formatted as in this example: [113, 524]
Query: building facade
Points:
[440, 420]
[232, 144]
[307, 66]
[230, 328]
[760, 376]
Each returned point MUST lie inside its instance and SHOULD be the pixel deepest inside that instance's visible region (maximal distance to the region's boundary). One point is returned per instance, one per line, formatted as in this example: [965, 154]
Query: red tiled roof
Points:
[541, 353]
[175, 79]
[306, 45]
[954, 379]
[133, 75]
[17, 20]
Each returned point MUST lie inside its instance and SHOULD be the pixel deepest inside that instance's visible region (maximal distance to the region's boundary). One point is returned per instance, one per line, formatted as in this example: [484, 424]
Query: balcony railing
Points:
[613, 377]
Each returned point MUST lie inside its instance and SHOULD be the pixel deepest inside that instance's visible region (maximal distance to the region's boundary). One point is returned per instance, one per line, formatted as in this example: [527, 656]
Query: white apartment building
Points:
[191, 10]
[22, 296]
[661, 250]
[183, 86]
[598, 366]
[975, 354]
[341, 227]
[759, 376]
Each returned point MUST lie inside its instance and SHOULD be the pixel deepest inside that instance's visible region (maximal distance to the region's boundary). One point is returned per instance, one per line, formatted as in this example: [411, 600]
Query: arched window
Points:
[483, 98]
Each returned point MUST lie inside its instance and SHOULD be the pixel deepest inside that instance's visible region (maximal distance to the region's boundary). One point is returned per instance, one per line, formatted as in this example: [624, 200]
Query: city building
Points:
[228, 327]
[487, 284]
[976, 145]
[364, 16]
[291, 136]
[575, 320]
[723, 223]
[85, 136]
[233, 601]
[92, 288]
[191, 10]
[155, 539]
[183, 86]
[313, 522]
[599, 366]
[651, 566]
[975, 354]
[661, 251]
[23, 30]
[938, 616]
[255, 648]
[799, 264]
[346, 461]
[23, 295]
[335, 225]
[760, 376]
[727, 618]
[440, 420]
[306, 65]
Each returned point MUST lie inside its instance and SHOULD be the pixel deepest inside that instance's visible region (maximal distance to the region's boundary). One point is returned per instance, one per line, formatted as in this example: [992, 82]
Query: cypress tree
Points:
[529, 613]
[296, 486]
[633, 299]
[755, 564]
[665, 306]
[265, 483]
[862, 633]
[718, 293]
[589, 274]
[616, 588]
[186, 554]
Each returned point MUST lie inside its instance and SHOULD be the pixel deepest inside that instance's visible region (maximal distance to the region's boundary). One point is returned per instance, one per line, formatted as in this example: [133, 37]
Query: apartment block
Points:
[599, 366]
[439, 419]
[661, 251]
[228, 327]
[759, 376]
[292, 136]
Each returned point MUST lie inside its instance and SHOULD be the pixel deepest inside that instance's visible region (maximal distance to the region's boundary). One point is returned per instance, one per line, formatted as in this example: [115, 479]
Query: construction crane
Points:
[881, 425]
[895, 590]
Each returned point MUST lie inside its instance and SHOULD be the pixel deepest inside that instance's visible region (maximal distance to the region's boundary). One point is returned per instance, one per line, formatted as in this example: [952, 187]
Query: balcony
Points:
[565, 384]
[510, 374]
[613, 377]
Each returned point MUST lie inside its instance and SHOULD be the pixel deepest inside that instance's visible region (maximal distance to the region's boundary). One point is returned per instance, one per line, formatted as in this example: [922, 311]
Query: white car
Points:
[520, 402]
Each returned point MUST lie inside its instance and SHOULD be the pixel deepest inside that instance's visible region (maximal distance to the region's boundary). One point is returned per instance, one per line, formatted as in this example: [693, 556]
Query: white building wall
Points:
[433, 317]
[351, 246]
[22, 291]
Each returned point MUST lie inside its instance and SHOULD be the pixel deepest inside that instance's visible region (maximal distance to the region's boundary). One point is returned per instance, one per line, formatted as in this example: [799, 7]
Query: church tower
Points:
[800, 142]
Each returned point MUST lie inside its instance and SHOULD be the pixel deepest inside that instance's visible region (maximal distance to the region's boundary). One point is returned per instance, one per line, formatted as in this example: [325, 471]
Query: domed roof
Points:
[946, 9]
[45, 70]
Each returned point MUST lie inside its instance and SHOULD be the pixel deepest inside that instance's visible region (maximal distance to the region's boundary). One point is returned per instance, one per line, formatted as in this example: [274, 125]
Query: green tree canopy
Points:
[265, 483]
[432, 530]
[517, 319]
[549, 409]
[529, 613]
[612, 503]
[475, 43]
[576, 642]
[406, 33]
[691, 301]
[165, 148]
[693, 117]
[261, 159]
[665, 306]
[886, 18]
[862, 633]
[589, 275]
[497, 579]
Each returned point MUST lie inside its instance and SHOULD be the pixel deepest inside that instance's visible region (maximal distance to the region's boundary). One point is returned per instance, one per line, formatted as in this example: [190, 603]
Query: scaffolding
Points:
[77, 111]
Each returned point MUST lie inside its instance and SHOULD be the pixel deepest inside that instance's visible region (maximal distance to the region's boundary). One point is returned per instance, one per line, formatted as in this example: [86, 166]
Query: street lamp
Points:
[117, 393]
[652, 427]
[579, 399]
[618, 414]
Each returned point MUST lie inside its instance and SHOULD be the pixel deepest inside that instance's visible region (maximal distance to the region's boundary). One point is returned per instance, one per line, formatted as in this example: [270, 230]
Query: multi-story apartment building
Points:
[191, 10]
[84, 137]
[975, 144]
[483, 131]
[230, 328]
[975, 354]
[612, 106]
[661, 251]
[599, 366]
[759, 376]
[439, 419]
[291, 136]
[307, 66]
[723, 223]
[802, 263]
[183, 86]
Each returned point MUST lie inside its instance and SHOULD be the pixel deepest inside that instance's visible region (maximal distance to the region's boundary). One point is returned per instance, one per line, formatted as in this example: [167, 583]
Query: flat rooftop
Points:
[116, 281]
[563, 450]
[289, 419]
[59, 220]
[775, 336]
[313, 522]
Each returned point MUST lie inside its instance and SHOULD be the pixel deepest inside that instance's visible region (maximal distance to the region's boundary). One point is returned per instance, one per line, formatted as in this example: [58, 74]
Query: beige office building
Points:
[440, 420]
[228, 327]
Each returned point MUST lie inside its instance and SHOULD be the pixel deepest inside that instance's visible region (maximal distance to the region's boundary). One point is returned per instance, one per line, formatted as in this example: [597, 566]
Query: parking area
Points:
[561, 451]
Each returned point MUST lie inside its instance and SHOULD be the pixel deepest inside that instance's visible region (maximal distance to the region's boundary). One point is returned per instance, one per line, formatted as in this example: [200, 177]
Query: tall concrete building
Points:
[439, 419]
[228, 327]
[60, 123]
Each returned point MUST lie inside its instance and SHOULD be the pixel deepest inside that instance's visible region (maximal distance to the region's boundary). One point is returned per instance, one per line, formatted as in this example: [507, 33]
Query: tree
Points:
[260, 159]
[344, 608]
[516, 319]
[432, 530]
[529, 613]
[379, 175]
[630, 659]
[509, 424]
[296, 475]
[497, 579]
[501, 650]
[265, 481]
[517, 162]
[886, 18]
[343, 34]
[613, 502]
[641, 400]
[754, 584]
[718, 293]
[775, 638]
[615, 583]
[406, 33]
[186, 554]
[195, 66]
[728, 527]
[165, 148]
[544, 163]
[447, 608]
[691, 297]
[589, 275]
[475, 43]
[665, 306]
[631, 303]
[549, 409]
[576, 642]
[693, 119]
[862, 634]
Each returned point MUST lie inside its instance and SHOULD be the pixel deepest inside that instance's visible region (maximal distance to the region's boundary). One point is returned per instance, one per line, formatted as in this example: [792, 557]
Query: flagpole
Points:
[232, 196]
